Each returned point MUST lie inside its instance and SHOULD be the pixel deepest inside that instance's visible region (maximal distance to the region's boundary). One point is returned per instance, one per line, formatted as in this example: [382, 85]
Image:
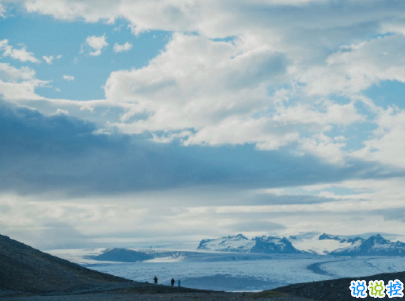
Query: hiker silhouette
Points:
[172, 281]
[155, 279]
[179, 283]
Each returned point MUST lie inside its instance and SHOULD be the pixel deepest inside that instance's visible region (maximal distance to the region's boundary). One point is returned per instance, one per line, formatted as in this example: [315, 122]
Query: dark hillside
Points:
[26, 269]
[337, 289]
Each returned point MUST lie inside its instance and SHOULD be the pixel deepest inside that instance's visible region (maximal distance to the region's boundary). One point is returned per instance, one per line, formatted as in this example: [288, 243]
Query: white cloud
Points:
[69, 78]
[120, 48]
[271, 86]
[214, 18]
[60, 111]
[19, 83]
[96, 44]
[263, 72]
[10, 73]
[180, 89]
[17, 54]
[359, 209]
[212, 92]
[387, 144]
[50, 58]
[356, 67]
[327, 113]
[2, 11]
[325, 147]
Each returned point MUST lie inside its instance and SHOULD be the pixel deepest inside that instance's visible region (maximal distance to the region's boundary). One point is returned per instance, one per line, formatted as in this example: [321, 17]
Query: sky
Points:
[125, 122]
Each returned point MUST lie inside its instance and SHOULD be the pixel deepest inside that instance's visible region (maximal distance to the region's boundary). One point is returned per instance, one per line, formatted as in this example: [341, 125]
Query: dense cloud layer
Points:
[267, 73]
[253, 115]
[61, 153]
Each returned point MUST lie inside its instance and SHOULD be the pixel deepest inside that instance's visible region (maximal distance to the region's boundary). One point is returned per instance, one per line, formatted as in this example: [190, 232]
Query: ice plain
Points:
[237, 272]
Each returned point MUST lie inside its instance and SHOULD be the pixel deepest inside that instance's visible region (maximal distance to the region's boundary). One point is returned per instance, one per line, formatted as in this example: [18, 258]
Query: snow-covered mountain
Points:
[271, 244]
[310, 242]
[317, 243]
[240, 243]
[325, 236]
[375, 245]
[232, 243]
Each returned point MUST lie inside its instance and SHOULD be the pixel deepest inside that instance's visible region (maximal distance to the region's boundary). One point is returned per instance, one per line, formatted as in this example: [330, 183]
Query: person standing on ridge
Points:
[155, 279]
[179, 283]
[172, 281]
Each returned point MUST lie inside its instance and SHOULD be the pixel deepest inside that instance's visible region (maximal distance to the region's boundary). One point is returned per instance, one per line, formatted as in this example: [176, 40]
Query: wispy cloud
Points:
[121, 48]
[69, 78]
[50, 58]
[2, 11]
[18, 54]
[18, 84]
[96, 44]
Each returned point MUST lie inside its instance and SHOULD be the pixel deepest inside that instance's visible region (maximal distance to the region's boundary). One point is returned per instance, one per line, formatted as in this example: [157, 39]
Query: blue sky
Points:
[45, 36]
[273, 116]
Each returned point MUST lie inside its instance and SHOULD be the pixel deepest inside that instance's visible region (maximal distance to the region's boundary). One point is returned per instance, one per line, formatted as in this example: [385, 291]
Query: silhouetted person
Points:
[179, 283]
[155, 279]
[172, 281]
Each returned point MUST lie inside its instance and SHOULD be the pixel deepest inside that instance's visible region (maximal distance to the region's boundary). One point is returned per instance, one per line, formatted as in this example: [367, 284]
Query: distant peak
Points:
[241, 236]
[377, 237]
[328, 236]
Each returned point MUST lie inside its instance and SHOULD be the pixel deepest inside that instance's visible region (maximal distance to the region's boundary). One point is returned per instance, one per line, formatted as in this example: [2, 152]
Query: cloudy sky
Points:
[169, 120]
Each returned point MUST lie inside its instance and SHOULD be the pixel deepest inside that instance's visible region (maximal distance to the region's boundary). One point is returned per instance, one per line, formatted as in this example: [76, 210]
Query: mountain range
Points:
[375, 245]
[34, 275]
[311, 243]
[240, 243]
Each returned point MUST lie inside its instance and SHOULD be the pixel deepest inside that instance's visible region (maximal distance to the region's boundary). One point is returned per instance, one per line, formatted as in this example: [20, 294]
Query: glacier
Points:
[237, 263]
